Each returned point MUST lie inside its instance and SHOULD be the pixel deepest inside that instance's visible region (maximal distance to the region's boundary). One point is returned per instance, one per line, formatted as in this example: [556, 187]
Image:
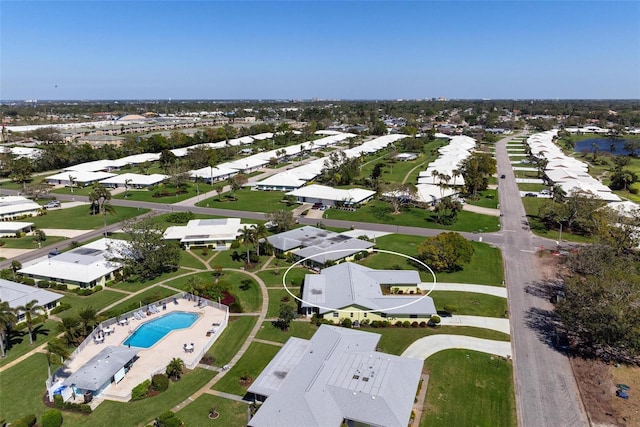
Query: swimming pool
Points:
[147, 335]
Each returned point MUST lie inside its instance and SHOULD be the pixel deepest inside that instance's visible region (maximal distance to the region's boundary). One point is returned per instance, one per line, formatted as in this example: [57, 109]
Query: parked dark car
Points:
[503, 176]
[531, 195]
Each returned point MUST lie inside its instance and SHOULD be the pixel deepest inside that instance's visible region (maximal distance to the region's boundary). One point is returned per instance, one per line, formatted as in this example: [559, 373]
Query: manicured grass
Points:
[396, 340]
[250, 364]
[142, 412]
[471, 304]
[140, 300]
[188, 260]
[301, 329]
[526, 174]
[275, 296]
[78, 218]
[78, 191]
[98, 301]
[467, 388]
[246, 290]
[381, 212]
[249, 200]
[485, 267]
[295, 277]
[183, 283]
[27, 242]
[22, 388]
[138, 285]
[486, 199]
[225, 259]
[148, 196]
[19, 340]
[531, 187]
[232, 413]
[234, 335]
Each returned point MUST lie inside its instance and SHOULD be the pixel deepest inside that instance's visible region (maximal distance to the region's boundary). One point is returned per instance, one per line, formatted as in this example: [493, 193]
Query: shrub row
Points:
[70, 406]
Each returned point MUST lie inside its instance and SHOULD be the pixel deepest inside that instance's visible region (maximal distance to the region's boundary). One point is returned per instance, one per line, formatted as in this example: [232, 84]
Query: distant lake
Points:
[604, 145]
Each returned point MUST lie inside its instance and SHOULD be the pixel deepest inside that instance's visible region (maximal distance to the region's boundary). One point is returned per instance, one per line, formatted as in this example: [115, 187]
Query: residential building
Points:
[15, 207]
[353, 291]
[334, 378]
[213, 233]
[17, 295]
[329, 196]
[316, 246]
[85, 267]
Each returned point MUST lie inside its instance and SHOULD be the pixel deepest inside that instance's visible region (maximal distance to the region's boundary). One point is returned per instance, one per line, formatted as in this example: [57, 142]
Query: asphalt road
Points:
[546, 390]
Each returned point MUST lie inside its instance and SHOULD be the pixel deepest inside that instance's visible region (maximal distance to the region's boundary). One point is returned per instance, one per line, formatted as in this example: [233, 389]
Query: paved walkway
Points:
[493, 323]
[466, 287]
[432, 344]
[481, 210]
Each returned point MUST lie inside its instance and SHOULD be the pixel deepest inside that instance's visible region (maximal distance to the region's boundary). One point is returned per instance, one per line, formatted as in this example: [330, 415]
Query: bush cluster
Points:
[26, 421]
[140, 391]
[180, 217]
[159, 382]
[52, 418]
[70, 406]
[61, 307]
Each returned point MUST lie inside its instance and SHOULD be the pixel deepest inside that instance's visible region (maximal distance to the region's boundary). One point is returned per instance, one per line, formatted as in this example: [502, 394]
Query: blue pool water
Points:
[147, 335]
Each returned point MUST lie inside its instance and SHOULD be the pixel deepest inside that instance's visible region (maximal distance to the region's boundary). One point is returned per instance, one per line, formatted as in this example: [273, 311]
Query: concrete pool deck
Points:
[155, 359]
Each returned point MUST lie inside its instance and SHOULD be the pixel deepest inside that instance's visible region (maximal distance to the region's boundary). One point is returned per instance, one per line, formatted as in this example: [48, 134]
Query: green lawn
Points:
[142, 412]
[19, 340]
[78, 191]
[468, 388]
[188, 260]
[531, 187]
[294, 278]
[225, 259]
[140, 300]
[232, 413]
[486, 199]
[250, 364]
[98, 301]
[381, 212]
[246, 290]
[22, 388]
[274, 300]
[249, 200]
[234, 335]
[78, 218]
[183, 283]
[138, 285]
[471, 304]
[485, 267]
[148, 196]
[27, 242]
[396, 340]
[301, 329]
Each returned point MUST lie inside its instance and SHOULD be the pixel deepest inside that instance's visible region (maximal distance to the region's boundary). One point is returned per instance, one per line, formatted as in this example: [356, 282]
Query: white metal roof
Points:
[225, 229]
[17, 294]
[84, 264]
[80, 176]
[336, 375]
[135, 179]
[16, 204]
[316, 191]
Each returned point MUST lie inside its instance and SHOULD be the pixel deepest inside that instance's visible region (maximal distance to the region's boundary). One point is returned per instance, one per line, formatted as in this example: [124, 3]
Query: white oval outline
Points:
[284, 277]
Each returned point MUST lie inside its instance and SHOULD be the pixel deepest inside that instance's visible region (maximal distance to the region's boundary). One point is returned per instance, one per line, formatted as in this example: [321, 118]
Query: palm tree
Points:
[435, 174]
[456, 173]
[15, 266]
[55, 347]
[259, 232]
[175, 368]
[88, 320]
[72, 180]
[99, 198]
[247, 237]
[71, 329]
[8, 319]
[126, 187]
[30, 310]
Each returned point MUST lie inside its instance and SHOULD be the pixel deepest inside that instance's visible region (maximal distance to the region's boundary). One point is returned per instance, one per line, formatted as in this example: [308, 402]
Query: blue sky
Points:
[295, 50]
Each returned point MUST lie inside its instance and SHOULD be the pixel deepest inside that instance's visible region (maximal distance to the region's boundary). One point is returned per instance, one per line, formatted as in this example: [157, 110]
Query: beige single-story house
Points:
[14, 207]
[17, 295]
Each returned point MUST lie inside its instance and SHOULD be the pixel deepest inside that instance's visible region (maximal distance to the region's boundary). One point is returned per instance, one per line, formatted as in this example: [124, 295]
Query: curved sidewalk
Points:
[497, 291]
[493, 323]
[429, 345]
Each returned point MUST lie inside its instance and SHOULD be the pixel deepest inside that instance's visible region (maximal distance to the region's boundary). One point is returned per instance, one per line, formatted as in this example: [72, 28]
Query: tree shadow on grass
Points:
[544, 323]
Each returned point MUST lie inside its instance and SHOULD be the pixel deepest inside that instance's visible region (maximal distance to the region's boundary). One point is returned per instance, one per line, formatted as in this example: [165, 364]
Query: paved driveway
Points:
[432, 344]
